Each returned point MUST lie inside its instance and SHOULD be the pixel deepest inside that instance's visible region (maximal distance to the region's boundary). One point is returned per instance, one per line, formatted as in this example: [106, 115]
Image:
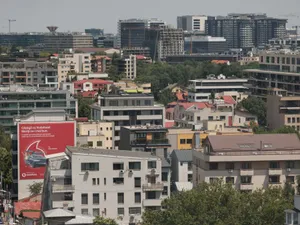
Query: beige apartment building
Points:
[248, 161]
[283, 110]
[73, 63]
[96, 134]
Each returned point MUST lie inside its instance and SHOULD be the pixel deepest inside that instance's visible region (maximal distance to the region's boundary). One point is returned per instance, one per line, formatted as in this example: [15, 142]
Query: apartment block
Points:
[29, 73]
[278, 70]
[91, 85]
[115, 184]
[292, 216]
[205, 44]
[283, 110]
[200, 90]
[16, 100]
[127, 110]
[127, 66]
[96, 134]
[182, 167]
[73, 63]
[192, 23]
[248, 161]
[100, 63]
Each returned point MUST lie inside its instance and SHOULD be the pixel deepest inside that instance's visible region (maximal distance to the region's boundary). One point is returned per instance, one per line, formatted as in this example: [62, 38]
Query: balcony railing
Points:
[63, 204]
[151, 202]
[62, 188]
[246, 187]
[151, 142]
[153, 187]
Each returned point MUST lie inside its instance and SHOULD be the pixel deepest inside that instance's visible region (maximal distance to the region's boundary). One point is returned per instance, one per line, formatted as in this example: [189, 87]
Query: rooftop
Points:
[93, 81]
[105, 152]
[126, 95]
[183, 155]
[261, 142]
[145, 127]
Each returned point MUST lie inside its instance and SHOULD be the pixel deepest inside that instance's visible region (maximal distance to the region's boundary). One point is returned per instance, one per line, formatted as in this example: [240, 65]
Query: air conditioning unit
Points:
[130, 171]
[121, 171]
[288, 169]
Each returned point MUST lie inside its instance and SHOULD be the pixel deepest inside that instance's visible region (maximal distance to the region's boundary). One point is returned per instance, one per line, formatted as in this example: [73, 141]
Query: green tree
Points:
[84, 109]
[35, 188]
[5, 157]
[298, 185]
[44, 54]
[255, 106]
[166, 96]
[104, 221]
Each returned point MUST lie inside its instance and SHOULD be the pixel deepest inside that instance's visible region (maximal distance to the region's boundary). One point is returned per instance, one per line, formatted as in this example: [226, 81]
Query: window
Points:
[137, 197]
[118, 180]
[229, 166]
[213, 179]
[274, 165]
[182, 141]
[135, 210]
[95, 181]
[96, 212]
[189, 141]
[293, 120]
[190, 177]
[230, 180]
[90, 143]
[96, 198]
[290, 179]
[137, 182]
[99, 143]
[290, 164]
[198, 118]
[151, 164]
[104, 196]
[84, 211]
[289, 120]
[210, 118]
[120, 211]
[165, 191]
[89, 166]
[118, 166]
[120, 198]
[135, 165]
[246, 180]
[213, 166]
[84, 199]
[274, 179]
[246, 166]
[104, 181]
[190, 166]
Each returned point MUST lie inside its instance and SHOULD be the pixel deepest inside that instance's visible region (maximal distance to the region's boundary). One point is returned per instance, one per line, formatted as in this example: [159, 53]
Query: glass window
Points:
[290, 164]
[246, 179]
[229, 180]
[165, 191]
[96, 212]
[118, 180]
[190, 177]
[137, 197]
[246, 165]
[84, 199]
[99, 143]
[189, 141]
[151, 164]
[96, 198]
[135, 210]
[213, 166]
[89, 166]
[290, 179]
[274, 179]
[120, 211]
[229, 166]
[182, 141]
[90, 143]
[118, 166]
[120, 198]
[137, 182]
[164, 176]
[135, 165]
[274, 165]
[84, 211]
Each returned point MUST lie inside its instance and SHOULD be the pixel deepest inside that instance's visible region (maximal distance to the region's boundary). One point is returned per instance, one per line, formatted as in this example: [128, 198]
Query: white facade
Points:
[200, 90]
[192, 23]
[128, 67]
[73, 63]
[114, 184]
[181, 166]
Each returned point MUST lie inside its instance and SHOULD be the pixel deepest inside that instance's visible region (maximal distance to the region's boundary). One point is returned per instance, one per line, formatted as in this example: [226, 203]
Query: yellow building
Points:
[96, 134]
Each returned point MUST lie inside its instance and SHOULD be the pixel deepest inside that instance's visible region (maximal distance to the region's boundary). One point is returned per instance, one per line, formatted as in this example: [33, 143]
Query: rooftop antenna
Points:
[9, 22]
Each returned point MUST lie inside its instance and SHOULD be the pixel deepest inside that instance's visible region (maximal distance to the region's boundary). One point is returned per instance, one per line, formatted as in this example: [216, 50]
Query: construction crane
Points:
[9, 22]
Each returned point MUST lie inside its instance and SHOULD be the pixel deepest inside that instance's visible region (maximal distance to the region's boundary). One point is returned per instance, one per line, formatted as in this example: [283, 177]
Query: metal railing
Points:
[156, 186]
[62, 188]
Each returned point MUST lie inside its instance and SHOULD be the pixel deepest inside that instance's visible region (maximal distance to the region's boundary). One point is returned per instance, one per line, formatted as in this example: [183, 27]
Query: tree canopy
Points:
[104, 221]
[5, 156]
[84, 109]
[221, 204]
[35, 188]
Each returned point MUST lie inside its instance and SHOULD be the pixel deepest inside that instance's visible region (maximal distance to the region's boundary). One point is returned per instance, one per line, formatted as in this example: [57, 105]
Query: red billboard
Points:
[37, 140]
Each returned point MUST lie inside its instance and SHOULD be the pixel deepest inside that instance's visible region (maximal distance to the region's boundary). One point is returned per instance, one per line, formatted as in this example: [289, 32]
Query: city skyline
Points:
[75, 15]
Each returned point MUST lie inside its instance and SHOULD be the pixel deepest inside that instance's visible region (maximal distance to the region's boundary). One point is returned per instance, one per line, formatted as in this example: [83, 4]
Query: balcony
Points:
[56, 188]
[246, 187]
[275, 185]
[61, 173]
[153, 187]
[150, 142]
[151, 202]
[116, 117]
[149, 117]
[63, 204]
[275, 171]
[246, 172]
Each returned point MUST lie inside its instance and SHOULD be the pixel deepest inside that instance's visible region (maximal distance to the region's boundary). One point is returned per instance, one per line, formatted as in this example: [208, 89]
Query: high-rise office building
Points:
[95, 32]
[192, 23]
[246, 30]
[131, 32]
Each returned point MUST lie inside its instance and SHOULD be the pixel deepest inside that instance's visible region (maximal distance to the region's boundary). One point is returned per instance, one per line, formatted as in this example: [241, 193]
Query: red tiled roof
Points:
[32, 198]
[179, 96]
[169, 124]
[93, 81]
[21, 206]
[32, 215]
[229, 100]
[200, 105]
[88, 94]
[220, 61]
[139, 57]
[82, 119]
[170, 110]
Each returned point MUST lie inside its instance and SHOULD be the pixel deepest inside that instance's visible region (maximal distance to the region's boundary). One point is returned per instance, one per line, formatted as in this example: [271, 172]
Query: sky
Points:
[76, 15]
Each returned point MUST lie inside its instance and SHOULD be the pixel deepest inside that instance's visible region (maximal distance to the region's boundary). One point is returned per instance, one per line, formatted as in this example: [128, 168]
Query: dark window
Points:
[229, 180]
[182, 141]
[164, 176]
[230, 166]
[274, 179]
[213, 166]
[189, 141]
[118, 180]
[190, 177]
[121, 211]
[104, 181]
[121, 198]
[165, 191]
[137, 182]
[213, 179]
[151, 164]
[274, 165]
[135, 210]
[290, 179]
[99, 143]
[246, 179]
[84, 199]
[290, 164]
[89, 166]
[135, 165]
[96, 198]
[104, 196]
[137, 197]
[118, 166]
[90, 143]
[190, 166]
[246, 165]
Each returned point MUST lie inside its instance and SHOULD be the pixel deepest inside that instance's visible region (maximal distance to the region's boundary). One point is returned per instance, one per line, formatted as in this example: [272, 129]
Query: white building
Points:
[114, 184]
[182, 169]
[128, 67]
[248, 161]
[73, 63]
[292, 216]
[200, 90]
[192, 23]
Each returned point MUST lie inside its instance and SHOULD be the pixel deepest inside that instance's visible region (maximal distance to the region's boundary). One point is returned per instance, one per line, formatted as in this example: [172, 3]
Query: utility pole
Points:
[9, 22]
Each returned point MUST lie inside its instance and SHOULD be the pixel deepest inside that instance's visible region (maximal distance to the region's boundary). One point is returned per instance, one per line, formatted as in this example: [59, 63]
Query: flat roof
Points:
[183, 155]
[145, 127]
[271, 72]
[220, 80]
[105, 152]
[126, 95]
